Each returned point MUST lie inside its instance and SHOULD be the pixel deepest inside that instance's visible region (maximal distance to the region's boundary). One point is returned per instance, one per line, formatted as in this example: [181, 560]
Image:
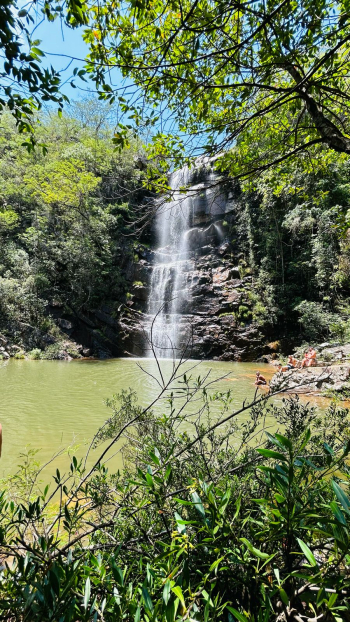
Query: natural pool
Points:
[48, 405]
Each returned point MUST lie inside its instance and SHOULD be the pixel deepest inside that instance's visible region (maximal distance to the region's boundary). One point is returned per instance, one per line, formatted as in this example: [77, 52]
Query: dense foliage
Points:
[223, 521]
[67, 227]
[292, 226]
[64, 216]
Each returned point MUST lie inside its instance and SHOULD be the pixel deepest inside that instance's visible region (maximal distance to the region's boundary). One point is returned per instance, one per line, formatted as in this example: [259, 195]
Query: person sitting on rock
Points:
[260, 379]
[309, 359]
[312, 357]
[281, 367]
[292, 362]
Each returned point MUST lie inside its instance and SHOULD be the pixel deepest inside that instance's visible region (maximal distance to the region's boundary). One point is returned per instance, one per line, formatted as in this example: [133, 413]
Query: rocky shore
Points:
[321, 380]
[28, 342]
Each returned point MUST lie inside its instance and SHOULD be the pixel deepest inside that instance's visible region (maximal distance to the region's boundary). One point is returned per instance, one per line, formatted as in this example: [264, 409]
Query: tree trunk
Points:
[329, 132]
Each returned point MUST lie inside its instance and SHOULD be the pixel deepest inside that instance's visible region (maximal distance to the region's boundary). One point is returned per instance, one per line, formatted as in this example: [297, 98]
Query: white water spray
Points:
[185, 226]
[170, 287]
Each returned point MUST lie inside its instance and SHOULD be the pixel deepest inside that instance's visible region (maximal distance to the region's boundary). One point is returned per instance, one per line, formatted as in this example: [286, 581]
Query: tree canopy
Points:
[270, 78]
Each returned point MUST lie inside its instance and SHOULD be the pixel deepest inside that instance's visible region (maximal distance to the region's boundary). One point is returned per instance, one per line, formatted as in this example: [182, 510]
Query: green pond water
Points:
[50, 405]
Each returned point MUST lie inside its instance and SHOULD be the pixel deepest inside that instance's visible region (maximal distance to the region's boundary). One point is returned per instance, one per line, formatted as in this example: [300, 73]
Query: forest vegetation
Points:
[70, 225]
[66, 219]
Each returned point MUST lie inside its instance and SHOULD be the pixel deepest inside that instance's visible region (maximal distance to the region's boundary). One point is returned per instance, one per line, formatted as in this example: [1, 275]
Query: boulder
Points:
[66, 325]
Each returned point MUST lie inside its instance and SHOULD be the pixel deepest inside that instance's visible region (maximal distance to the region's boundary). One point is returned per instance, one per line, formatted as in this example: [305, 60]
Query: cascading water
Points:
[170, 287]
[188, 288]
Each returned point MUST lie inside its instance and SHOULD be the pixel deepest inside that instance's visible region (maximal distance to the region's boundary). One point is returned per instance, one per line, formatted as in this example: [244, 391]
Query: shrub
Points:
[35, 354]
[314, 319]
[220, 520]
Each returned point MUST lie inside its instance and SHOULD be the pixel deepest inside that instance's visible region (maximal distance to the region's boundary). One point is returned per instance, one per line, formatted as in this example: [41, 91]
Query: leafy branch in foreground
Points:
[268, 77]
[213, 517]
[24, 82]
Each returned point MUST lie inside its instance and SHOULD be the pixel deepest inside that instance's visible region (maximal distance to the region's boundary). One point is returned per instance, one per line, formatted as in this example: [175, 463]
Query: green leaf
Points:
[331, 600]
[309, 556]
[284, 441]
[328, 449]
[198, 504]
[147, 599]
[253, 550]
[306, 439]
[268, 453]
[178, 592]
[279, 498]
[338, 513]
[284, 596]
[117, 574]
[237, 614]
[154, 458]
[166, 591]
[37, 52]
[180, 523]
[273, 440]
[341, 496]
[170, 611]
[216, 563]
[87, 592]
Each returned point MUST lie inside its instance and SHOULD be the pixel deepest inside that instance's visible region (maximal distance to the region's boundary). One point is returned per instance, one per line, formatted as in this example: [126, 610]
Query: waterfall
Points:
[170, 286]
[188, 228]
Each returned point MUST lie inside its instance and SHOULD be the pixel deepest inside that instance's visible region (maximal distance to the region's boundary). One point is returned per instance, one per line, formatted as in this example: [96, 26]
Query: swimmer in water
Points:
[260, 380]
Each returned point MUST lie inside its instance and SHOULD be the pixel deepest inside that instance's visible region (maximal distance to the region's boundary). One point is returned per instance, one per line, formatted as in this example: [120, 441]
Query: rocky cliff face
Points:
[193, 264]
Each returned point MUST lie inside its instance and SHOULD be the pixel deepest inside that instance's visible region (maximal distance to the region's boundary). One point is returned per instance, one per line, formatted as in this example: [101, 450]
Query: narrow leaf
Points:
[87, 592]
[147, 599]
[268, 453]
[337, 513]
[341, 496]
[198, 504]
[253, 550]
[166, 591]
[178, 592]
[239, 616]
[309, 556]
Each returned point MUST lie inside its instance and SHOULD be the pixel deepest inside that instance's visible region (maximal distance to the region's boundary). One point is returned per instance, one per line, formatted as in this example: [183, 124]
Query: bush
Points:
[220, 520]
[314, 319]
[35, 354]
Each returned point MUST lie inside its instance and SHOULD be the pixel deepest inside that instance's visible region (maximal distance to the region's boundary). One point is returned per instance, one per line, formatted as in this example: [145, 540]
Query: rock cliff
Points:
[194, 264]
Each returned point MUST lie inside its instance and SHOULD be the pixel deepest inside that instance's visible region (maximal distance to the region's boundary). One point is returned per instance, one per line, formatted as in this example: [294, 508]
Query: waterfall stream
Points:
[189, 287]
[170, 287]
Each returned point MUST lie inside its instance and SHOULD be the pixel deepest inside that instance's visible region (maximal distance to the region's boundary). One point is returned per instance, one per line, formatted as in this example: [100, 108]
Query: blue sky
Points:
[59, 42]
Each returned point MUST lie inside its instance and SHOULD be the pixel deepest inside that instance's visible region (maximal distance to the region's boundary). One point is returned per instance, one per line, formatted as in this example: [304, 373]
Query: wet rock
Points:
[208, 322]
[47, 340]
[140, 292]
